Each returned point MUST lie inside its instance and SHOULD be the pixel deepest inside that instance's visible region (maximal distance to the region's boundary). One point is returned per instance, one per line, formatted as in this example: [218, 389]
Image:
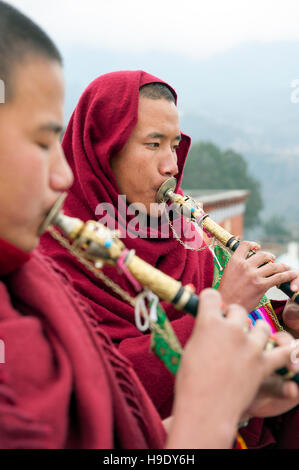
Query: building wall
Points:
[234, 225]
[226, 208]
[230, 216]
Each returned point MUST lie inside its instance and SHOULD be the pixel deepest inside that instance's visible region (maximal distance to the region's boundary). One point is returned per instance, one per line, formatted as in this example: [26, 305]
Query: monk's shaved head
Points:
[20, 38]
[157, 91]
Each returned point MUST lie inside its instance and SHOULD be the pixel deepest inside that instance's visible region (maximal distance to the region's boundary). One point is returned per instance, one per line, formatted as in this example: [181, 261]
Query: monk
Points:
[122, 142]
[62, 382]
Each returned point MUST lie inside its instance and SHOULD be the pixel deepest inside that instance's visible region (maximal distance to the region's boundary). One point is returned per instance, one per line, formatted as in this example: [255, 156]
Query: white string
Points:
[153, 310]
[141, 311]
[140, 307]
[211, 248]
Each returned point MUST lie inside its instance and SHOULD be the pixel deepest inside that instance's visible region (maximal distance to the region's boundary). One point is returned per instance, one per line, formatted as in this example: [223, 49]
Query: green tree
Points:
[208, 167]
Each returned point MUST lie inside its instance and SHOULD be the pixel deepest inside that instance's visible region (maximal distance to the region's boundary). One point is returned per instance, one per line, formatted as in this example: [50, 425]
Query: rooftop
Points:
[217, 195]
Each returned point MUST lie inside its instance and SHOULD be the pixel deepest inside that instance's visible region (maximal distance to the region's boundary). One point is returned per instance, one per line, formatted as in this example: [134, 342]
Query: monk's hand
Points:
[246, 279]
[277, 396]
[221, 354]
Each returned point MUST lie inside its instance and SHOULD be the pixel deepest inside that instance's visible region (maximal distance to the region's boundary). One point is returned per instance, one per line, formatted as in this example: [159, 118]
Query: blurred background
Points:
[235, 66]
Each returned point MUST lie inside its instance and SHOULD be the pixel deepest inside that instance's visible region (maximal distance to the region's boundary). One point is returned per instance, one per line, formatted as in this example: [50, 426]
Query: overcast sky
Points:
[195, 28]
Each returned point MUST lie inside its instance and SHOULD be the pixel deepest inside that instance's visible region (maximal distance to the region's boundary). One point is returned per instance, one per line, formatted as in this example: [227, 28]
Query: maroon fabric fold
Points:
[99, 128]
[11, 258]
[63, 384]
[279, 306]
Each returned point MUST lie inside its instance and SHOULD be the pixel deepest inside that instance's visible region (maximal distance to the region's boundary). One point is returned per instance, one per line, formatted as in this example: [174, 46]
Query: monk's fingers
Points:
[290, 390]
[283, 338]
[295, 284]
[272, 268]
[274, 386]
[260, 333]
[245, 247]
[210, 304]
[260, 258]
[280, 357]
[237, 315]
[277, 279]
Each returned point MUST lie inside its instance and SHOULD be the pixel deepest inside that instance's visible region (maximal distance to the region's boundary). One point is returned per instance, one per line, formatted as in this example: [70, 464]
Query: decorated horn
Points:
[190, 209]
[101, 245]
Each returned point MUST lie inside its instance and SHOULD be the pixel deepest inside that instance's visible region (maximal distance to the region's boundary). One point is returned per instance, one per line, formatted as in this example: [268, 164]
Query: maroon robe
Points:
[63, 383]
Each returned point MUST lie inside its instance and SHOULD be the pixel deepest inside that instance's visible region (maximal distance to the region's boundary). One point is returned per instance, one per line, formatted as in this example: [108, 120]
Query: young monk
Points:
[62, 382]
[124, 138]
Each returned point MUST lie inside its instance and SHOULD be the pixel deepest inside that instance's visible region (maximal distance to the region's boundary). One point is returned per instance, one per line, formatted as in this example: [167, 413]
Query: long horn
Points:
[195, 213]
[100, 244]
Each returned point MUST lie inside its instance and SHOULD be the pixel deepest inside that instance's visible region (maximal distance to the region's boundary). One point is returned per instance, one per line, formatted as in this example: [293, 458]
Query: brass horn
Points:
[101, 245]
[190, 209]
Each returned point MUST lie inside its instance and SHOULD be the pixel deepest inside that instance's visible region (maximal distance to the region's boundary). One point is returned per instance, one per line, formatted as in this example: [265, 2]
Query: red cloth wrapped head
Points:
[99, 128]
